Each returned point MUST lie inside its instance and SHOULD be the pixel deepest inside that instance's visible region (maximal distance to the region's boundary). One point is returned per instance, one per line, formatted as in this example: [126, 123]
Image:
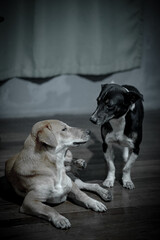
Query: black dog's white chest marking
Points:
[117, 133]
[120, 113]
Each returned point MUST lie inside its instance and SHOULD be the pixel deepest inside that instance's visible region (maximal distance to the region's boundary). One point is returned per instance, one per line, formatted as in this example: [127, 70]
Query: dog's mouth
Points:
[100, 121]
[79, 143]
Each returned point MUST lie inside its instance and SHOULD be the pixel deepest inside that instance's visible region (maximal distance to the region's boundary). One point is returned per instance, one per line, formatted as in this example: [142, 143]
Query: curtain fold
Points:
[44, 38]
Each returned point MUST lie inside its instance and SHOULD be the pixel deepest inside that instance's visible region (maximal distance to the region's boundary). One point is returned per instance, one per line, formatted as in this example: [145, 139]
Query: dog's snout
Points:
[93, 119]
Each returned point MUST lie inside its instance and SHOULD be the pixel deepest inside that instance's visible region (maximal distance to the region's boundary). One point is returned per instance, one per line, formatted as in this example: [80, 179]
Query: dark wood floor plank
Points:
[120, 223]
[131, 214]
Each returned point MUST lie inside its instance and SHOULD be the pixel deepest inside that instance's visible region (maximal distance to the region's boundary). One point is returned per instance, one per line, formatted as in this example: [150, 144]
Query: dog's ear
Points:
[104, 86]
[132, 96]
[46, 136]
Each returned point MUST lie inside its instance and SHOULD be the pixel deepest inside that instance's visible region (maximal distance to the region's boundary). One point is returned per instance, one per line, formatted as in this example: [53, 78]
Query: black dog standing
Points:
[120, 114]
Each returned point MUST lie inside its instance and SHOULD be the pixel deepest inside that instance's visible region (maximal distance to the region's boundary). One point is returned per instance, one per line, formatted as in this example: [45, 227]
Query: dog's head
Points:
[113, 102]
[58, 135]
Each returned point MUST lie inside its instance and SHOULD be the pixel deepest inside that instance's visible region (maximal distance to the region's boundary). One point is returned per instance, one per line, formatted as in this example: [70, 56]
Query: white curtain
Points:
[44, 38]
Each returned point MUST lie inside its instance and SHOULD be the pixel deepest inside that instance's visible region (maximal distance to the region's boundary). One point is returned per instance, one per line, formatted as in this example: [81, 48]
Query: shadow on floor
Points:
[7, 193]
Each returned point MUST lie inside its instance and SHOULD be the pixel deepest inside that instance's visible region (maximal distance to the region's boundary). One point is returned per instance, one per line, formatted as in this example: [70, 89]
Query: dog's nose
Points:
[93, 119]
[88, 132]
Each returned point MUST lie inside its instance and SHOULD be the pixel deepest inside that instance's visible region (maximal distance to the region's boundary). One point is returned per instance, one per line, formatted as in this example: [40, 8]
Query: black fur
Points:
[113, 102]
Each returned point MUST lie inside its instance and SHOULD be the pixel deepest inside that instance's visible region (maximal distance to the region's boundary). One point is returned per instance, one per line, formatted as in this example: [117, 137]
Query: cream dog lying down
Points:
[38, 174]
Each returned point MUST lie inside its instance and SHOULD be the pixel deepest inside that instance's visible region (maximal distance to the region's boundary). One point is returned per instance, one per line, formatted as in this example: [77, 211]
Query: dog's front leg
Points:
[109, 156]
[33, 205]
[84, 200]
[105, 194]
[126, 178]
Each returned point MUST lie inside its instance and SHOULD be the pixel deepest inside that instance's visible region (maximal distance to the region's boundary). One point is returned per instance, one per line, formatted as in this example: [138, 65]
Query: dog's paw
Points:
[108, 183]
[80, 163]
[97, 206]
[105, 195]
[61, 222]
[128, 184]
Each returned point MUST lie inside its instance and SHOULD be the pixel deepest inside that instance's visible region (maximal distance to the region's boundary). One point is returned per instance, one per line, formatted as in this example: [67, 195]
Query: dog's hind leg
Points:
[71, 162]
[68, 160]
[109, 156]
[126, 178]
[94, 187]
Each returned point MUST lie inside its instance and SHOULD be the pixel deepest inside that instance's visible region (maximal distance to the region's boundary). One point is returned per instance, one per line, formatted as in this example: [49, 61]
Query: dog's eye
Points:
[110, 107]
[64, 129]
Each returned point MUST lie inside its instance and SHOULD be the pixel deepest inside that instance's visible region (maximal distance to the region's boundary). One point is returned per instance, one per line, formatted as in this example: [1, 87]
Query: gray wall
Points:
[75, 94]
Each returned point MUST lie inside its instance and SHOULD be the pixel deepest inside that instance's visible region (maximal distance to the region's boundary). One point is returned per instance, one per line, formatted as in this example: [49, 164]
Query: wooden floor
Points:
[132, 214]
